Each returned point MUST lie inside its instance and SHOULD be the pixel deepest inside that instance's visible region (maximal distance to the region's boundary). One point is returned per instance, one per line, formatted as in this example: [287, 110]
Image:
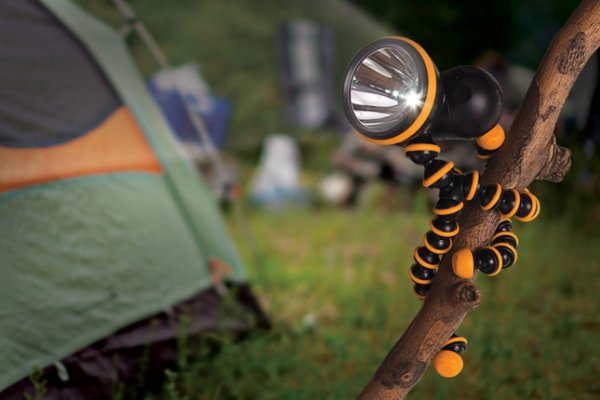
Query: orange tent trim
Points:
[116, 145]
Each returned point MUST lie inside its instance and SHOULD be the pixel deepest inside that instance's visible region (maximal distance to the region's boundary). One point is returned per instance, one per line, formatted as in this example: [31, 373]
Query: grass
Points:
[335, 283]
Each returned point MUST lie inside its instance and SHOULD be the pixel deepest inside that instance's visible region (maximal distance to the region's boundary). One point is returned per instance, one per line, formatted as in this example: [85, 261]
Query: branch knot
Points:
[467, 295]
[557, 164]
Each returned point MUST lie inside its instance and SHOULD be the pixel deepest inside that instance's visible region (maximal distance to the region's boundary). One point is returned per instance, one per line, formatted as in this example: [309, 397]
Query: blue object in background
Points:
[169, 89]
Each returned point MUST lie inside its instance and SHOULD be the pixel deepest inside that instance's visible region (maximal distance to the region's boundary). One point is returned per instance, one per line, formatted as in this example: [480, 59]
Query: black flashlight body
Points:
[472, 104]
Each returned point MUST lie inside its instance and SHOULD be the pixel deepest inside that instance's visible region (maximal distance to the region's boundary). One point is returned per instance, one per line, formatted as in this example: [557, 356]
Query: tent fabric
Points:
[111, 54]
[47, 80]
[86, 254]
[117, 144]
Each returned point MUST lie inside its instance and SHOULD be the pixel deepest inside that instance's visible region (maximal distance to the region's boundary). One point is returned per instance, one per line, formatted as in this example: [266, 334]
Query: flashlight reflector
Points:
[386, 88]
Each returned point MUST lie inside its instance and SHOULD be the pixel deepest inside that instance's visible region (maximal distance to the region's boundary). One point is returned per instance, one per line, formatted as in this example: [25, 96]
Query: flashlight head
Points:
[390, 90]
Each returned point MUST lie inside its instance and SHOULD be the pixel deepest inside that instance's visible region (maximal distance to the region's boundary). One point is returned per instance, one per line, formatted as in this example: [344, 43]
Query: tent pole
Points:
[135, 24]
[163, 62]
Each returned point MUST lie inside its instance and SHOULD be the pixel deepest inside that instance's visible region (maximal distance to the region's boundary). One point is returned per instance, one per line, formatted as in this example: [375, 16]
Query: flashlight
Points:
[393, 94]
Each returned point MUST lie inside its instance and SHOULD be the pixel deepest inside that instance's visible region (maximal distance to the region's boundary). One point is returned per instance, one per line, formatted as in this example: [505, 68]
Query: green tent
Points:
[104, 222]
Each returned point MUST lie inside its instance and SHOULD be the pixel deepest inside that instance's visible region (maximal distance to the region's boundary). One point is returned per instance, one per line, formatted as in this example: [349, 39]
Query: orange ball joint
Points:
[490, 142]
[448, 362]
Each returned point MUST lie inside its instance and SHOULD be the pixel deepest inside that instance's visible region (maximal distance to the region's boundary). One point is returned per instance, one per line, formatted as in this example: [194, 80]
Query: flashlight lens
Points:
[387, 90]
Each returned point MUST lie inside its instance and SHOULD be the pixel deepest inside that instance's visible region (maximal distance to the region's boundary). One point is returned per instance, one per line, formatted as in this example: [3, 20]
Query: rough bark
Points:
[530, 153]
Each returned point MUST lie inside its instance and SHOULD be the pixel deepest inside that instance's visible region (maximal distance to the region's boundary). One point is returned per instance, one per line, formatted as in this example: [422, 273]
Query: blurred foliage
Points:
[452, 32]
[456, 32]
[234, 43]
[576, 197]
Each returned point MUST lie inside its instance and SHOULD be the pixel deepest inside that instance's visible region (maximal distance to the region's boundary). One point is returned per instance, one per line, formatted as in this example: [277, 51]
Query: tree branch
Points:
[530, 153]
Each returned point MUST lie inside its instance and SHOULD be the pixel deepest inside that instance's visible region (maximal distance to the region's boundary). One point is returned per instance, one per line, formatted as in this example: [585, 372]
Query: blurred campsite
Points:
[241, 58]
[238, 56]
[326, 223]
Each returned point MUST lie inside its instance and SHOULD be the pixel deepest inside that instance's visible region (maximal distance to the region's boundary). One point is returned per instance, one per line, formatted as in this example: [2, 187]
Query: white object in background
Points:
[277, 178]
[336, 188]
